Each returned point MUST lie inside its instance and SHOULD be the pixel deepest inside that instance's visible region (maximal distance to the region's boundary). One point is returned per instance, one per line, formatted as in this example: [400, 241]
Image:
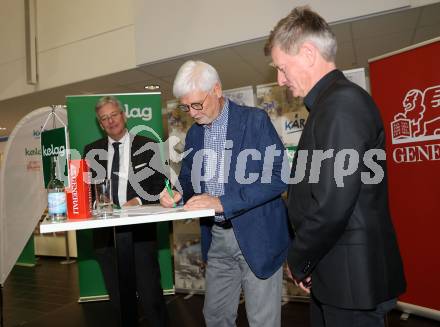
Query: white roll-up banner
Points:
[22, 194]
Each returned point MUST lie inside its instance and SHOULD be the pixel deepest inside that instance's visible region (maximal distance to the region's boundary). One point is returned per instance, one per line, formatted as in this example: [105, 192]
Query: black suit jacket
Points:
[344, 236]
[141, 165]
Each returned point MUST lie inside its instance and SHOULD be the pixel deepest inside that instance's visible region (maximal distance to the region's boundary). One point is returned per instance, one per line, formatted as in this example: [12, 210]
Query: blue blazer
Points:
[256, 210]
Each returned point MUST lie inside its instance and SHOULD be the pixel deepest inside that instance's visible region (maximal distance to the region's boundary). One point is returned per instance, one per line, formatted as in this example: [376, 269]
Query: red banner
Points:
[406, 87]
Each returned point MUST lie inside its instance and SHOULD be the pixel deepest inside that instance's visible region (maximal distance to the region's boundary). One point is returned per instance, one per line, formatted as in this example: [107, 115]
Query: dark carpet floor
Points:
[47, 295]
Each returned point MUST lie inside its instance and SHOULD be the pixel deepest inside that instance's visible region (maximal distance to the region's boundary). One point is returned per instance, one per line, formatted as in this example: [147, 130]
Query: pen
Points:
[170, 191]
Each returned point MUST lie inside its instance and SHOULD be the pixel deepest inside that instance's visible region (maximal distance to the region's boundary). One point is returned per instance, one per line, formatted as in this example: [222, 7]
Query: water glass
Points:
[104, 201]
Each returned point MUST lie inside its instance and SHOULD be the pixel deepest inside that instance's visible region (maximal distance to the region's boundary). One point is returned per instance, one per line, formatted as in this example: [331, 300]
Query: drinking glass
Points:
[104, 201]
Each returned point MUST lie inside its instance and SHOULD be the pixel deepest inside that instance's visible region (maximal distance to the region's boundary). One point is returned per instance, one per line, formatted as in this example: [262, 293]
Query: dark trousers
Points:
[147, 280]
[323, 315]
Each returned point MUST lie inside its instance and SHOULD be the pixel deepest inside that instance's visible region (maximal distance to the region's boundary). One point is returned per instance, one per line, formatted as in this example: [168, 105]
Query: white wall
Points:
[417, 3]
[12, 51]
[166, 29]
[83, 39]
[77, 40]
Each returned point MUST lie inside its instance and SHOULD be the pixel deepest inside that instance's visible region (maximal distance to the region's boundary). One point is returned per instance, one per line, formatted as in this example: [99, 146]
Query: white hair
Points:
[194, 76]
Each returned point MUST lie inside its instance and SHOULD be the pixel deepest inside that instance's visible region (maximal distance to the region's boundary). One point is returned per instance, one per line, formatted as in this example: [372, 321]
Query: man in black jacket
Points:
[345, 249]
[116, 157]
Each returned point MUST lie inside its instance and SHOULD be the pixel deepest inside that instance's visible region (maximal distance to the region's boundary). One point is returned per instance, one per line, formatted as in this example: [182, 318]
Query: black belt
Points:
[226, 224]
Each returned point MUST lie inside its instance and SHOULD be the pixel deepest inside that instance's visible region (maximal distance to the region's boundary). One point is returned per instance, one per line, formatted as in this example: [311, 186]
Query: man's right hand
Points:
[166, 201]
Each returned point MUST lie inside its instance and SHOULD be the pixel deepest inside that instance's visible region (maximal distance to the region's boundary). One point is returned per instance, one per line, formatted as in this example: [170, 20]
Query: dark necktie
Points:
[115, 173]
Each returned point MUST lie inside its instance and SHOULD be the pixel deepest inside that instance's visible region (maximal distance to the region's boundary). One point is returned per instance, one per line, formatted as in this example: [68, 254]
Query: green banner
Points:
[141, 109]
[27, 256]
[53, 143]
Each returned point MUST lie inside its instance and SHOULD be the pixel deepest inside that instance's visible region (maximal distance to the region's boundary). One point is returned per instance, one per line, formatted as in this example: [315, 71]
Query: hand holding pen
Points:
[168, 197]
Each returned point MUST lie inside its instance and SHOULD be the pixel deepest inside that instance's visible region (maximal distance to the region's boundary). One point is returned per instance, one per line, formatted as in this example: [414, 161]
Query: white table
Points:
[124, 244]
[124, 217]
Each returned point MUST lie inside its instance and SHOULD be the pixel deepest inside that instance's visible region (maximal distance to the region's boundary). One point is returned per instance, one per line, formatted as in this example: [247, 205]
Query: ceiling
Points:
[245, 64]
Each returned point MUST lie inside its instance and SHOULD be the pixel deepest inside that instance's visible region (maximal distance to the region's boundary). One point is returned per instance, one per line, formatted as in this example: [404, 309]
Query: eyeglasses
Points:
[111, 116]
[194, 105]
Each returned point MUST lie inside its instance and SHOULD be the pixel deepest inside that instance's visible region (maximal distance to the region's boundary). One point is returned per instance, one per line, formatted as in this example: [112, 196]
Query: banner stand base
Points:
[170, 291]
[96, 298]
[67, 262]
[189, 292]
[418, 310]
[25, 264]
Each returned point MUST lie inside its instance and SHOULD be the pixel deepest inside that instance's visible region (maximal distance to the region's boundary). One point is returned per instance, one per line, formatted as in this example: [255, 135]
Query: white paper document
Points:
[145, 210]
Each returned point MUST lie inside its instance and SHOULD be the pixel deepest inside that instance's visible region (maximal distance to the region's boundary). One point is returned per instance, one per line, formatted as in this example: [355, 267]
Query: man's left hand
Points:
[132, 202]
[305, 284]
[204, 201]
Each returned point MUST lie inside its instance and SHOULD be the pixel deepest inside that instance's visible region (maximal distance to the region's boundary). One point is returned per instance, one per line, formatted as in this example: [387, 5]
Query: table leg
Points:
[126, 276]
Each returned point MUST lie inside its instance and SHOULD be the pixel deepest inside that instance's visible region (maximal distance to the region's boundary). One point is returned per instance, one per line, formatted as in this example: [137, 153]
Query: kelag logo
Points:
[36, 133]
[419, 121]
[53, 144]
[32, 152]
[145, 114]
[53, 151]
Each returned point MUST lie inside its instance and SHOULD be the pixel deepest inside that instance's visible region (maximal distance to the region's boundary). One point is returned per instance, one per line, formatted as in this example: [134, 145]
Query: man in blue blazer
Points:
[233, 160]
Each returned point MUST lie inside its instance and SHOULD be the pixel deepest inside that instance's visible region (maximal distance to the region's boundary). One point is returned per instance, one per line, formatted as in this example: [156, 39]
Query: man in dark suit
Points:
[246, 243]
[116, 157]
[345, 247]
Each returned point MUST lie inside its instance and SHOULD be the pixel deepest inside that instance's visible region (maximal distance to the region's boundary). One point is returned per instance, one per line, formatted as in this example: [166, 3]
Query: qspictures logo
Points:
[419, 121]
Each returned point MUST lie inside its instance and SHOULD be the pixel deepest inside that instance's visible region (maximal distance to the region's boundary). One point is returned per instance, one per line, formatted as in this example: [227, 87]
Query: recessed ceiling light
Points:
[152, 87]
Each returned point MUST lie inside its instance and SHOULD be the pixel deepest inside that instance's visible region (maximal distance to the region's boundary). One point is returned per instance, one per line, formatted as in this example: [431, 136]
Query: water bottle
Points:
[56, 197]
